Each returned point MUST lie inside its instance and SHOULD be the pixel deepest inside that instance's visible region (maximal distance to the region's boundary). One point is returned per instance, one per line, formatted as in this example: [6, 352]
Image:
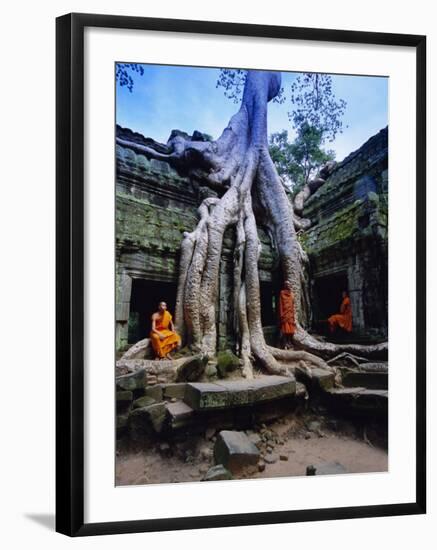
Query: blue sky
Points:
[186, 98]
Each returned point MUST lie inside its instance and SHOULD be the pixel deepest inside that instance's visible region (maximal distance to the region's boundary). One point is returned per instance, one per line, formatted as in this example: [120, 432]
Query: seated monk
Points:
[163, 336]
[286, 316]
[344, 318]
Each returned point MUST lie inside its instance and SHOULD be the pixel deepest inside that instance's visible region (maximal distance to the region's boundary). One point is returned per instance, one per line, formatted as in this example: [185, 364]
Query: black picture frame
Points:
[70, 273]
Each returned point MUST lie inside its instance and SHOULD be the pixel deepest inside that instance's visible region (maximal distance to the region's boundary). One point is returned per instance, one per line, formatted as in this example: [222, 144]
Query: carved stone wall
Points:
[350, 230]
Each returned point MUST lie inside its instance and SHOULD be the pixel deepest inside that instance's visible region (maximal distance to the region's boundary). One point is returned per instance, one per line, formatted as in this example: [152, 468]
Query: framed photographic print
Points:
[240, 274]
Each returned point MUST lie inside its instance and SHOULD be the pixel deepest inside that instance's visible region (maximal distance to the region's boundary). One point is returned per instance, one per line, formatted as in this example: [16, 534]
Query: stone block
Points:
[144, 401]
[192, 369]
[146, 421]
[271, 458]
[217, 473]
[155, 392]
[320, 379]
[124, 397]
[122, 423]
[234, 393]
[174, 390]
[134, 381]
[180, 414]
[235, 450]
[205, 396]
[256, 439]
[301, 391]
[271, 387]
[326, 469]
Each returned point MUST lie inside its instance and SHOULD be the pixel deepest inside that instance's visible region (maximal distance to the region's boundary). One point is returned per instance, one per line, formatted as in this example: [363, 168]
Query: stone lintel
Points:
[233, 393]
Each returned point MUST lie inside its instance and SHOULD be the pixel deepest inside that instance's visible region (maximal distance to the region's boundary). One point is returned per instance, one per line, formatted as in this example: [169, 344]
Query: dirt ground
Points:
[287, 446]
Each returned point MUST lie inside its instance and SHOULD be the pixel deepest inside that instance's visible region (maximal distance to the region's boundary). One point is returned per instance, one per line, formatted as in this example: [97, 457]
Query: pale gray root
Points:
[240, 243]
[260, 87]
[138, 351]
[188, 246]
[224, 214]
[303, 340]
[300, 198]
[212, 162]
[301, 224]
[277, 211]
[296, 356]
[245, 349]
[344, 357]
[177, 370]
[312, 186]
[241, 326]
[257, 341]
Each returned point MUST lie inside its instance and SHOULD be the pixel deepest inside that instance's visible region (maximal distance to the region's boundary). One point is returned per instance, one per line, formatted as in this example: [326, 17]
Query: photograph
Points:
[251, 273]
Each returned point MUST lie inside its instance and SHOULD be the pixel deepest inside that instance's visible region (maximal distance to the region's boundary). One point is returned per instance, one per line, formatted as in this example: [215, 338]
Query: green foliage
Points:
[316, 106]
[300, 160]
[232, 80]
[312, 97]
[124, 72]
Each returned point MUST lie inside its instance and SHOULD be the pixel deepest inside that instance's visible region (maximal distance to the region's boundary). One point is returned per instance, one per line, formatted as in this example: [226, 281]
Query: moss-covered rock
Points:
[226, 362]
[124, 396]
[146, 421]
[144, 401]
[131, 382]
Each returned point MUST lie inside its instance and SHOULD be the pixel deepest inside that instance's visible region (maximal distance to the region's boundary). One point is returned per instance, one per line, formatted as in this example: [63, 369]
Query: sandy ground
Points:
[290, 443]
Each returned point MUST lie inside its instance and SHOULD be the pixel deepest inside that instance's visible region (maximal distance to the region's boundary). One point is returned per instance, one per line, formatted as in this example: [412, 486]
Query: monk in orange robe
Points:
[286, 316]
[344, 318]
[163, 336]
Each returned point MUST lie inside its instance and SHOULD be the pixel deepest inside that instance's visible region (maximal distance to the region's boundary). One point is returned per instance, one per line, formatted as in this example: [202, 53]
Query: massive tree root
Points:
[239, 166]
[185, 369]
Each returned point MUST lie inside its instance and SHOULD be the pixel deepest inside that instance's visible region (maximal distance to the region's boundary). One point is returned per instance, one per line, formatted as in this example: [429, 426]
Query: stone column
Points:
[355, 284]
[122, 308]
[225, 305]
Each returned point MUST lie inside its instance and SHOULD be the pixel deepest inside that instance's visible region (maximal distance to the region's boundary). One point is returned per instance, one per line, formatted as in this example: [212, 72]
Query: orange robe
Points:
[171, 340]
[344, 318]
[286, 312]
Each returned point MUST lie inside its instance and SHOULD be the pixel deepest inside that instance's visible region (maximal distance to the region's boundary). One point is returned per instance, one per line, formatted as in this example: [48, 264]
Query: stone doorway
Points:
[145, 297]
[268, 303]
[328, 296]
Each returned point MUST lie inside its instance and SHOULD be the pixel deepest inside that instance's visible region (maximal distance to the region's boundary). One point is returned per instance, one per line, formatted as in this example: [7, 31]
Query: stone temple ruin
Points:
[347, 247]
[346, 244]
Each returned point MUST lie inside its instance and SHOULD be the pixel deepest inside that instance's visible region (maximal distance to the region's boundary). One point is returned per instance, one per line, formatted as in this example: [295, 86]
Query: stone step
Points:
[180, 415]
[233, 393]
[316, 378]
[359, 400]
[367, 379]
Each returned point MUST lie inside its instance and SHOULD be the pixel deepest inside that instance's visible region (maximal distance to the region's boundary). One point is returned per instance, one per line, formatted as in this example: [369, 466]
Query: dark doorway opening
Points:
[328, 296]
[268, 303]
[145, 297]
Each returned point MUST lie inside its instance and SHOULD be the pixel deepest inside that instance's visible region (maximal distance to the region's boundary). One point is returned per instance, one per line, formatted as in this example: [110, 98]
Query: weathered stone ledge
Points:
[223, 394]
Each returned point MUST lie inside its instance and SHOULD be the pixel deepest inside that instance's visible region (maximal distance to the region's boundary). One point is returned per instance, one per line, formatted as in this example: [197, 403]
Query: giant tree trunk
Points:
[239, 165]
